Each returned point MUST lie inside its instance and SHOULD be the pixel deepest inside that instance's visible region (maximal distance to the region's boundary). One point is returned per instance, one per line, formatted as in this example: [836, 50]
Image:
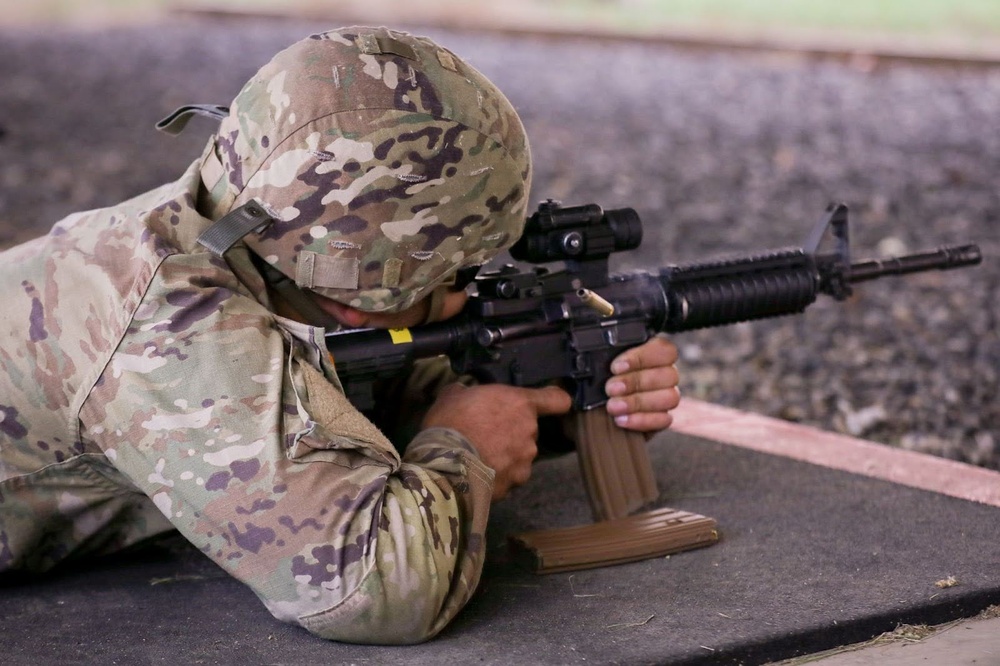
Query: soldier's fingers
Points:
[650, 401]
[652, 379]
[657, 351]
[550, 400]
[454, 387]
[520, 475]
[644, 422]
[515, 475]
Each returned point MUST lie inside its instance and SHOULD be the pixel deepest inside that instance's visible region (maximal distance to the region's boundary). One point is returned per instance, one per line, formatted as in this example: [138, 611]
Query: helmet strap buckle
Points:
[229, 229]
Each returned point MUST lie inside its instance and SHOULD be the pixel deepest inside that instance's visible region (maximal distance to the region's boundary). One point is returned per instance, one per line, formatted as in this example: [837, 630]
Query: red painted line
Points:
[834, 451]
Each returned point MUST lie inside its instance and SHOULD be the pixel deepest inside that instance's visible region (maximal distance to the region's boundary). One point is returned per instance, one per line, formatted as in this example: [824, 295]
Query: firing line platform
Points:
[833, 548]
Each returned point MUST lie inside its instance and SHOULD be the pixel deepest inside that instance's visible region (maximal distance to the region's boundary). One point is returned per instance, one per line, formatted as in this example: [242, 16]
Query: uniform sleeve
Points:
[219, 417]
[402, 403]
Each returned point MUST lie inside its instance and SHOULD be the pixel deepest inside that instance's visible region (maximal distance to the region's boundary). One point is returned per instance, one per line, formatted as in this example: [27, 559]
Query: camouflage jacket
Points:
[147, 386]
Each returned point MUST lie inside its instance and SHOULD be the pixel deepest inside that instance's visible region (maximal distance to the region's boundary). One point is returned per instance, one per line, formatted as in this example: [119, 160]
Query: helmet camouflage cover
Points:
[387, 162]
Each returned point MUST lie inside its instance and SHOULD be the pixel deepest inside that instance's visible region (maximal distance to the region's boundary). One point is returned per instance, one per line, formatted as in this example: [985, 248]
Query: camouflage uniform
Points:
[148, 384]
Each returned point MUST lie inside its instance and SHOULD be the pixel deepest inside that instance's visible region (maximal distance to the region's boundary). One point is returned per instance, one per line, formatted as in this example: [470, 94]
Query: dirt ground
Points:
[720, 153]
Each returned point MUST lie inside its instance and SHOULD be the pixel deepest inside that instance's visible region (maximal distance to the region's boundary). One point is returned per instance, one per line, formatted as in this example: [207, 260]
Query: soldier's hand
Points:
[501, 422]
[643, 388]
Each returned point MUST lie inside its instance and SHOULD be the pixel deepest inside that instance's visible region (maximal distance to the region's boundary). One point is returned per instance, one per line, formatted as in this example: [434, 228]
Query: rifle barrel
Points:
[954, 256]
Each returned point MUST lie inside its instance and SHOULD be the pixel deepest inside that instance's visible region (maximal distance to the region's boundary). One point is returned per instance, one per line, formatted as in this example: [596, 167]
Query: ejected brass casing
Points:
[594, 301]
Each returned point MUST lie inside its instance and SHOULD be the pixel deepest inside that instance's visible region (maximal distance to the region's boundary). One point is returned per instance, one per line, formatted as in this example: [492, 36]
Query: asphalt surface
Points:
[809, 559]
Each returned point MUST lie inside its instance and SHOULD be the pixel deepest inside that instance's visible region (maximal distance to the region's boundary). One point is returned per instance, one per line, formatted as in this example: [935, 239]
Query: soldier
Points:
[164, 365]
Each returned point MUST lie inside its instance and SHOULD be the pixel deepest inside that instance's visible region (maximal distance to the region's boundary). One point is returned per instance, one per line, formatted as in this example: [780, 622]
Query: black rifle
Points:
[529, 328]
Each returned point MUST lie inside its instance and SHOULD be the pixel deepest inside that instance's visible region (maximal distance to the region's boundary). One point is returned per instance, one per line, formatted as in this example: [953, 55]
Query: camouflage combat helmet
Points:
[387, 163]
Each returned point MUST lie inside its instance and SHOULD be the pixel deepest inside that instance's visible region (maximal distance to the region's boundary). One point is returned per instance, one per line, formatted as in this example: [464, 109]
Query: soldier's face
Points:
[416, 314]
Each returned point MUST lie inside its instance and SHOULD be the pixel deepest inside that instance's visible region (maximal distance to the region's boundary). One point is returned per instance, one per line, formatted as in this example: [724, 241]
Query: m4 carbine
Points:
[533, 327]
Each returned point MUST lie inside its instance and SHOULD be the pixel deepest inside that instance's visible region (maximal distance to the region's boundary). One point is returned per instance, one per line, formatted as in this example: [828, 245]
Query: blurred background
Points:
[929, 26]
[727, 124]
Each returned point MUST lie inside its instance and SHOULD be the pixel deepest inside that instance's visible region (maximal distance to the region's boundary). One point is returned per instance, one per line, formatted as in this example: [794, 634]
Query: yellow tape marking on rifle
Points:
[400, 336]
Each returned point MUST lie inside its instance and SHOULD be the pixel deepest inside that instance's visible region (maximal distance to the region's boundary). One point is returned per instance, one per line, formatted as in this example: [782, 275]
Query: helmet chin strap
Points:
[296, 298]
[436, 308]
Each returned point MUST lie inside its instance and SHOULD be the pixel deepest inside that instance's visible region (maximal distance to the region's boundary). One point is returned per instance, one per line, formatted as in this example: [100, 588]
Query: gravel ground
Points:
[720, 153]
